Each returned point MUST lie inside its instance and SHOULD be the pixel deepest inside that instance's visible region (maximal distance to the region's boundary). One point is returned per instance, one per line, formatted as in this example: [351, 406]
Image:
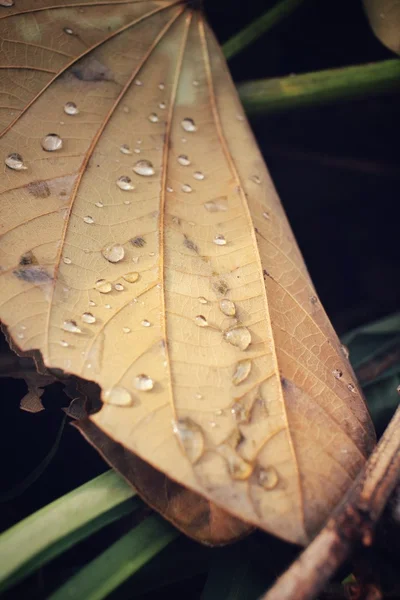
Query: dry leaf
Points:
[144, 248]
[384, 18]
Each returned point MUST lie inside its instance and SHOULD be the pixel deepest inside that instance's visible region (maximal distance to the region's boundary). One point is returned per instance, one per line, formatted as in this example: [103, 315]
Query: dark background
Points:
[336, 169]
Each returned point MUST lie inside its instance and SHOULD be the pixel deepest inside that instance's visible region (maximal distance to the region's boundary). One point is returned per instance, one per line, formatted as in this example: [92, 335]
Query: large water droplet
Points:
[201, 321]
[191, 437]
[144, 168]
[113, 253]
[52, 142]
[189, 125]
[199, 175]
[268, 478]
[131, 277]
[186, 188]
[89, 220]
[239, 337]
[124, 148]
[87, 317]
[71, 326]
[154, 118]
[103, 286]
[215, 206]
[117, 396]
[242, 371]
[125, 183]
[144, 383]
[70, 108]
[227, 307]
[184, 160]
[15, 161]
[220, 240]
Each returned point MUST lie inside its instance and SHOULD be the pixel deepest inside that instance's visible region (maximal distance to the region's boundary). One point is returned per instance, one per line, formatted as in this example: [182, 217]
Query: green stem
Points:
[309, 89]
[252, 32]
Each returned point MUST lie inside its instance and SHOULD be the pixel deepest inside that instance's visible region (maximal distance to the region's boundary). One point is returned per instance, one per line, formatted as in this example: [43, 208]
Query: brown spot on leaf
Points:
[90, 69]
[220, 286]
[190, 245]
[139, 242]
[28, 259]
[31, 271]
[39, 189]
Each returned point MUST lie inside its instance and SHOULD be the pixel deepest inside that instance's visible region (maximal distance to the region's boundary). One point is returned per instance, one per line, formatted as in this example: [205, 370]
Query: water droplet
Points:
[87, 317]
[15, 161]
[63, 343]
[126, 329]
[99, 204]
[255, 179]
[195, 83]
[145, 323]
[144, 383]
[203, 300]
[191, 438]
[117, 396]
[153, 118]
[186, 188]
[138, 82]
[183, 160]
[67, 260]
[103, 286]
[119, 287]
[144, 168]
[113, 253]
[68, 31]
[242, 371]
[240, 117]
[220, 240]
[169, 189]
[131, 277]
[215, 206]
[199, 175]
[89, 220]
[7, 3]
[239, 337]
[70, 108]
[189, 125]
[125, 183]
[266, 215]
[125, 149]
[137, 150]
[268, 478]
[52, 142]
[161, 86]
[337, 373]
[162, 105]
[201, 321]
[91, 303]
[71, 326]
[227, 307]
[345, 351]
[351, 388]
[108, 306]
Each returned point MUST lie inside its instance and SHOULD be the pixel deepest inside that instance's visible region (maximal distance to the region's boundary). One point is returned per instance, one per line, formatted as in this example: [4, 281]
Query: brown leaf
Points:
[145, 249]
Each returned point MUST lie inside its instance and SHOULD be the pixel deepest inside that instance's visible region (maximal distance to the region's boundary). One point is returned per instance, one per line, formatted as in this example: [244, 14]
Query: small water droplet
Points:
[92, 303]
[126, 329]
[186, 188]
[227, 307]
[126, 109]
[266, 215]
[144, 168]
[108, 306]
[161, 86]
[184, 160]
[351, 388]
[169, 189]
[119, 287]
[201, 321]
[99, 204]
[131, 277]
[137, 150]
[256, 179]
[268, 478]
[63, 343]
[67, 260]
[199, 175]
[52, 142]
[189, 125]
[198, 396]
[239, 337]
[113, 253]
[71, 326]
[89, 220]
[70, 108]
[138, 82]
[242, 371]
[20, 336]
[145, 323]
[124, 148]
[15, 161]
[87, 317]
[153, 118]
[337, 373]
[117, 396]
[195, 83]
[68, 31]
[215, 206]
[125, 183]
[203, 300]
[144, 383]
[103, 286]
[220, 240]
[191, 438]
[162, 105]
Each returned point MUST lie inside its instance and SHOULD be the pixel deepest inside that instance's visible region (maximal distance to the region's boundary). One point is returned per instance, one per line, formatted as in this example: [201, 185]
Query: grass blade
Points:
[50, 531]
[121, 560]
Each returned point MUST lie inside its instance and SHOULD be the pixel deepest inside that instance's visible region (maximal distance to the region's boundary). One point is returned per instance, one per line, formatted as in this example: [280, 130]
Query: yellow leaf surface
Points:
[144, 248]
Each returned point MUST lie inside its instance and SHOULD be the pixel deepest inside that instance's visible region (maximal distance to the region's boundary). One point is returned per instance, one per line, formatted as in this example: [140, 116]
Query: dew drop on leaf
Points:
[201, 321]
[183, 160]
[87, 317]
[186, 188]
[63, 343]
[268, 478]
[15, 161]
[52, 142]
[125, 183]
[191, 438]
[220, 240]
[203, 300]
[71, 326]
[199, 175]
[215, 206]
[67, 260]
[144, 168]
[131, 277]
[227, 307]
[337, 373]
[89, 220]
[70, 108]
[145, 323]
[117, 396]
[68, 31]
[7, 3]
[124, 148]
[144, 383]
[113, 253]
[103, 286]
[154, 118]
[119, 287]
[126, 329]
[239, 337]
[242, 371]
[189, 125]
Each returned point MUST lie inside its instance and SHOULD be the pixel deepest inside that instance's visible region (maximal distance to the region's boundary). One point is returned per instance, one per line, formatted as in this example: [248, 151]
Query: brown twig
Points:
[352, 523]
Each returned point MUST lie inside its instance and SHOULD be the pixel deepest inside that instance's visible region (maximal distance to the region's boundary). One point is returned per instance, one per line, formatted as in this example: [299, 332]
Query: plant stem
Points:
[252, 32]
[309, 89]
